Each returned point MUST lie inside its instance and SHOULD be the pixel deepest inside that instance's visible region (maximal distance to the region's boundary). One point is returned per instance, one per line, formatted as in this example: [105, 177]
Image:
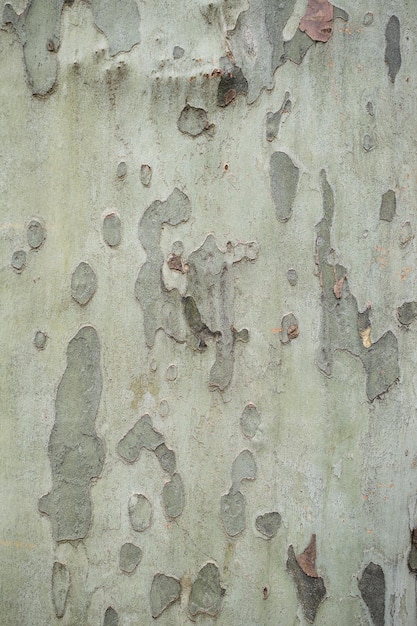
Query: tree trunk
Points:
[209, 314]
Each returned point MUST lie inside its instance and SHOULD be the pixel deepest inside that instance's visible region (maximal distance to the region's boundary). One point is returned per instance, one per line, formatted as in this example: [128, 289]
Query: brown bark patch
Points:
[307, 559]
[318, 20]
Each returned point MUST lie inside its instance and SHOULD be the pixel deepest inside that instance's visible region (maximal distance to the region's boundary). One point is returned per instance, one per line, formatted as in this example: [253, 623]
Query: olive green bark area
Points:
[76, 452]
[343, 326]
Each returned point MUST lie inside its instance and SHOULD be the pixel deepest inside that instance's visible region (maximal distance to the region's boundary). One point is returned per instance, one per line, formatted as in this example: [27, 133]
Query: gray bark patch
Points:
[284, 180]
[372, 588]
[273, 120]
[412, 556]
[368, 18]
[381, 365]
[233, 504]
[292, 276]
[388, 206]
[243, 467]
[40, 340]
[205, 310]
[38, 29]
[18, 261]
[368, 143]
[111, 618]
[166, 458]
[35, 234]
[232, 83]
[178, 52]
[343, 326]
[206, 592]
[250, 420]
[121, 169]
[233, 512]
[193, 121]
[165, 590]
[83, 283]
[119, 21]
[296, 48]
[76, 453]
[141, 435]
[163, 408]
[140, 512]
[199, 329]
[60, 587]
[392, 47]
[112, 229]
[407, 313]
[173, 497]
[311, 590]
[129, 558]
[370, 108]
[257, 42]
[258, 47]
[171, 373]
[209, 312]
[145, 174]
[268, 524]
[161, 308]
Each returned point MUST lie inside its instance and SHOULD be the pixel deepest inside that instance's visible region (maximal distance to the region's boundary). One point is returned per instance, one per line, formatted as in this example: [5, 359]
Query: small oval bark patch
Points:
[140, 512]
[112, 232]
[193, 121]
[268, 524]
[130, 557]
[35, 234]
[83, 283]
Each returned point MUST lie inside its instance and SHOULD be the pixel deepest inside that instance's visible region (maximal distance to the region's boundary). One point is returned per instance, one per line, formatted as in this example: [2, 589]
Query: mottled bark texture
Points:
[209, 313]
